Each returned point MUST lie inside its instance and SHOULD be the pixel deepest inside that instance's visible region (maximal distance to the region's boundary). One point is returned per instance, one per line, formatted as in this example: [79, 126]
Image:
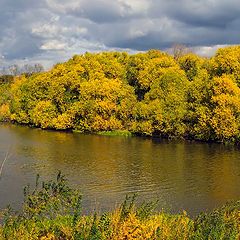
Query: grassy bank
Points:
[52, 210]
[123, 133]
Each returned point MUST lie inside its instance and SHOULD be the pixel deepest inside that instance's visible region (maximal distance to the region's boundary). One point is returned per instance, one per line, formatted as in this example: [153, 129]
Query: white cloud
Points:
[56, 31]
[63, 6]
[54, 45]
[47, 30]
[208, 51]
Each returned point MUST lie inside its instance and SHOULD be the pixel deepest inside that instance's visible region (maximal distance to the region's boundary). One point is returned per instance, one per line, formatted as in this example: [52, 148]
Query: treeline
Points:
[149, 93]
[27, 69]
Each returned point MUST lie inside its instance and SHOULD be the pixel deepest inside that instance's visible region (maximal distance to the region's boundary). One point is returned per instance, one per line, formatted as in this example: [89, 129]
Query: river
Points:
[181, 175]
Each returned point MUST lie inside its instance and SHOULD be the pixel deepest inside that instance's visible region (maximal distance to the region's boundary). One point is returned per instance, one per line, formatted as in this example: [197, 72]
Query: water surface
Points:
[181, 175]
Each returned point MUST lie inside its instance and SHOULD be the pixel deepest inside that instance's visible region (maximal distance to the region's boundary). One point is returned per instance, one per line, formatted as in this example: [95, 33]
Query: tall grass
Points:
[52, 210]
[3, 163]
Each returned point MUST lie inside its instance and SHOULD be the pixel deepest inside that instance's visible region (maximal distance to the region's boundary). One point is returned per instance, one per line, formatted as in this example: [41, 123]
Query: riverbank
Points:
[126, 133]
[53, 211]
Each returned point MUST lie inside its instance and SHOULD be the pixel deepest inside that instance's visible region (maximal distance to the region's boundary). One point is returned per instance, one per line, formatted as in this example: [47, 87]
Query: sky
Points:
[51, 31]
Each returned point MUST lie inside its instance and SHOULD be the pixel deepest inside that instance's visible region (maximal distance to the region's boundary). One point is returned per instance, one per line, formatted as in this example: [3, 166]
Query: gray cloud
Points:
[50, 31]
[209, 13]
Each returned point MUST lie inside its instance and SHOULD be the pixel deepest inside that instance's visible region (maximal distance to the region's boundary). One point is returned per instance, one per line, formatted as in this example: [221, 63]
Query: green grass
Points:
[123, 133]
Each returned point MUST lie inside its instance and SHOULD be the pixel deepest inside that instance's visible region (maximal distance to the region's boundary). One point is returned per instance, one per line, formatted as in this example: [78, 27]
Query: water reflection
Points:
[191, 176]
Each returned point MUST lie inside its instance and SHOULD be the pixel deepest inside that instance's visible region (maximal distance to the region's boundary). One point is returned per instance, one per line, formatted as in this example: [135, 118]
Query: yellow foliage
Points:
[153, 69]
[63, 121]
[5, 112]
[43, 114]
[161, 226]
[202, 130]
[144, 127]
[225, 85]
[191, 64]
[224, 123]
[20, 117]
[227, 61]
[225, 119]
[50, 236]
[17, 82]
[101, 124]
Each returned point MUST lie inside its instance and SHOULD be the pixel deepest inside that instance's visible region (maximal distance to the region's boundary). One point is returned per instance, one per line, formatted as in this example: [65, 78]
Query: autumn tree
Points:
[226, 114]
[191, 64]
[227, 61]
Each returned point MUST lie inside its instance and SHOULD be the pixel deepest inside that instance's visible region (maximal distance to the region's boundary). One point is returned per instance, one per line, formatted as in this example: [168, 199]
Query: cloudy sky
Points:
[50, 31]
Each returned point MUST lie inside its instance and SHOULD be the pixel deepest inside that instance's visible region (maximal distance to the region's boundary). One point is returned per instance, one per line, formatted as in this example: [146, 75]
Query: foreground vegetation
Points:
[149, 93]
[53, 210]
